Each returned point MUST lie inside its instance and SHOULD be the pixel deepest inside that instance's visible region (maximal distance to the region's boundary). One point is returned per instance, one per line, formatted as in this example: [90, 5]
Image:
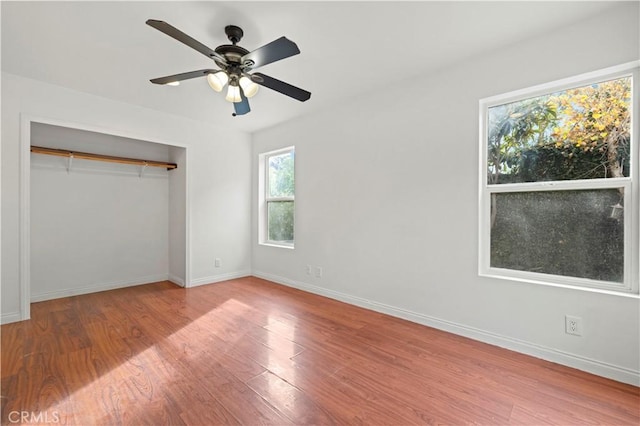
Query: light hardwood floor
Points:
[248, 351]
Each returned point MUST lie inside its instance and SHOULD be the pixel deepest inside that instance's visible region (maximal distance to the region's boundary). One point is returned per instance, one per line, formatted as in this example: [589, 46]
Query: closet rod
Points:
[100, 157]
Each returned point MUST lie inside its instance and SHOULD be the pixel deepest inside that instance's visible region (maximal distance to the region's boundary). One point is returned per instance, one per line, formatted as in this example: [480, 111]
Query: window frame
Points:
[629, 185]
[264, 198]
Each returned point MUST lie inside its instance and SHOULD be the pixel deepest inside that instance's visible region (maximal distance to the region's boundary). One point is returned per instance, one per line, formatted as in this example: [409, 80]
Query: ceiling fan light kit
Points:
[217, 80]
[248, 87]
[233, 94]
[235, 63]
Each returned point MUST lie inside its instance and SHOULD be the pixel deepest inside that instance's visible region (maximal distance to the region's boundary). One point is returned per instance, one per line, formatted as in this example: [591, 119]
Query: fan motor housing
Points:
[231, 52]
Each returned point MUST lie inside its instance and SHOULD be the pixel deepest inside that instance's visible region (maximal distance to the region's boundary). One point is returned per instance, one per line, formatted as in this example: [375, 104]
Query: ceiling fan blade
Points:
[175, 33]
[182, 76]
[241, 107]
[271, 52]
[281, 86]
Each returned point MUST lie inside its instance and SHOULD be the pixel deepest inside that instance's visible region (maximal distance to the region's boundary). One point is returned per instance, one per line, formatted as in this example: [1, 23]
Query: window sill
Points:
[620, 293]
[272, 244]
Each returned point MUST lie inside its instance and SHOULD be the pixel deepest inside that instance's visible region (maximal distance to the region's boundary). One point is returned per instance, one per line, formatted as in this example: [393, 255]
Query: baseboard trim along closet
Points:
[11, 317]
[176, 280]
[94, 288]
[599, 368]
[218, 278]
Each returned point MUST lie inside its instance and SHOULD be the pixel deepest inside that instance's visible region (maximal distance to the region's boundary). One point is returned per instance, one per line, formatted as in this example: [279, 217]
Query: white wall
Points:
[218, 178]
[387, 204]
[178, 217]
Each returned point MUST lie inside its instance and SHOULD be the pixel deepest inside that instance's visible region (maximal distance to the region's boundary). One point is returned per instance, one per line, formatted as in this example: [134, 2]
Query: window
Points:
[558, 183]
[277, 197]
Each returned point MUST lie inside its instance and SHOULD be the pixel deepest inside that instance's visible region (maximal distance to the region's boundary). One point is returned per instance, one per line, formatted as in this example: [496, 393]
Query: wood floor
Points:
[252, 352]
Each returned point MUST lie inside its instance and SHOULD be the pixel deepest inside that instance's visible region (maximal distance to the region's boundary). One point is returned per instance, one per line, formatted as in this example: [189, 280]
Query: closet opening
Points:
[103, 211]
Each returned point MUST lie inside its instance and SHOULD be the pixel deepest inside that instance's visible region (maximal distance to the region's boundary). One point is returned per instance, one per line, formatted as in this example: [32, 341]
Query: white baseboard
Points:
[176, 280]
[10, 317]
[589, 365]
[94, 288]
[217, 278]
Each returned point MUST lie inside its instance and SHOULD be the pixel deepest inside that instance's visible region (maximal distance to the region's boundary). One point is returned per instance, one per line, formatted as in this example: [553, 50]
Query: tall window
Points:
[277, 197]
[557, 201]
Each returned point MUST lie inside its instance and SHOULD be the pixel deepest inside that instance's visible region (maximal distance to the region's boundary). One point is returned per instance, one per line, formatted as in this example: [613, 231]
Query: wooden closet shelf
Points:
[100, 157]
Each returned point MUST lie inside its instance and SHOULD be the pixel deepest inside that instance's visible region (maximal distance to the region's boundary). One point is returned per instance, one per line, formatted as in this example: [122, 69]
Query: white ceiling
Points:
[348, 48]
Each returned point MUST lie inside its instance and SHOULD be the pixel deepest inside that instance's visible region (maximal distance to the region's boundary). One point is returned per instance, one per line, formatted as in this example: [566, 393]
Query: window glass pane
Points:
[568, 233]
[281, 175]
[580, 133]
[280, 221]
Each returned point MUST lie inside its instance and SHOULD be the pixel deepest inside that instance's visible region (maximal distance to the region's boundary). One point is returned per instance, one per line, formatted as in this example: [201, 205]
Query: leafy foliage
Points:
[281, 184]
[281, 175]
[596, 126]
[581, 133]
[280, 220]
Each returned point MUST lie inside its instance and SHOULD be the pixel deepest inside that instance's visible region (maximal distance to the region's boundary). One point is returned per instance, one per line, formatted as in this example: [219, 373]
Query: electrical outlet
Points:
[573, 325]
[309, 269]
[318, 272]
[218, 262]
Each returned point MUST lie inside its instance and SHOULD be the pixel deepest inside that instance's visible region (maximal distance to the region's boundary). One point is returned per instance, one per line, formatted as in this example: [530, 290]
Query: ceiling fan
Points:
[235, 64]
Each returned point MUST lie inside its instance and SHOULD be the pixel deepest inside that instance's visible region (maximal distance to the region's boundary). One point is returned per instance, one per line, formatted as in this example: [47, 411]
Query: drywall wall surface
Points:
[178, 217]
[218, 178]
[387, 204]
[59, 137]
[225, 186]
